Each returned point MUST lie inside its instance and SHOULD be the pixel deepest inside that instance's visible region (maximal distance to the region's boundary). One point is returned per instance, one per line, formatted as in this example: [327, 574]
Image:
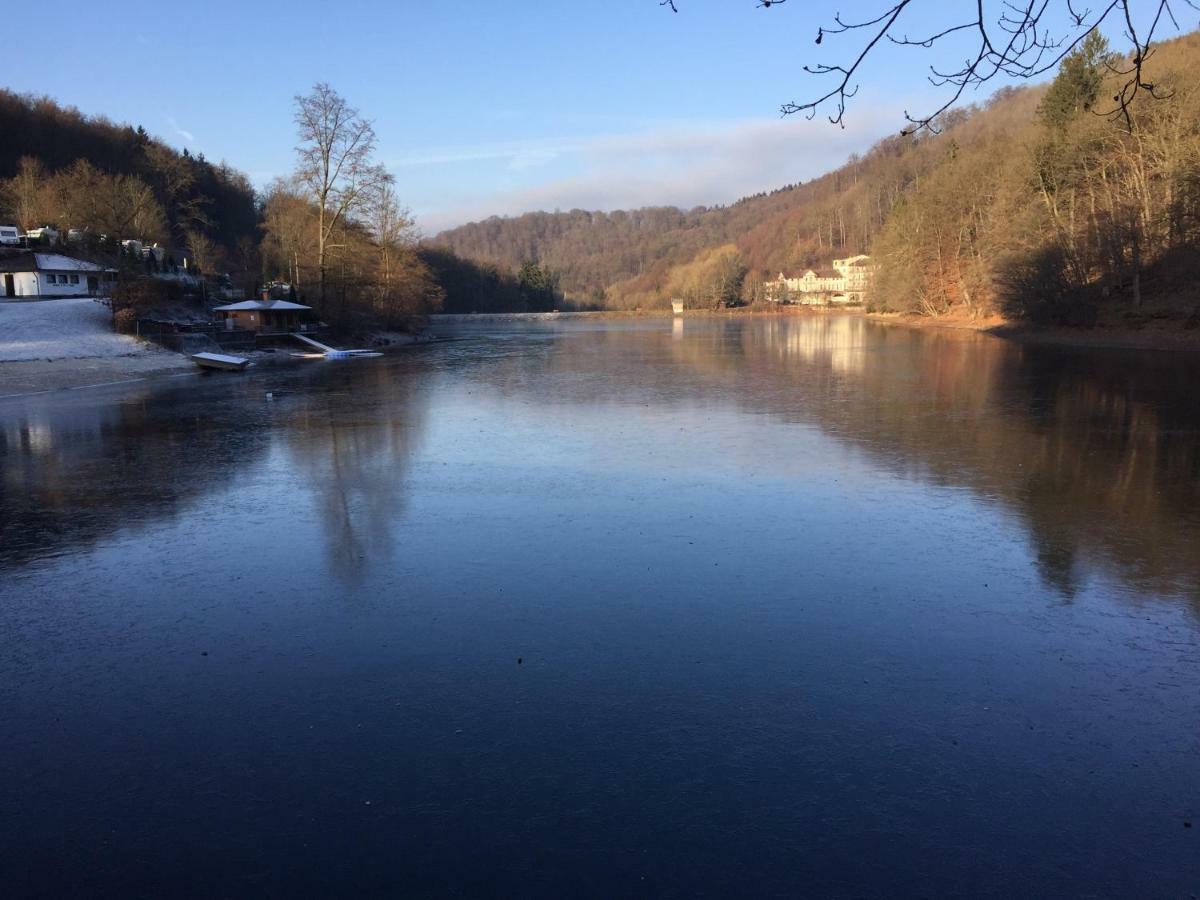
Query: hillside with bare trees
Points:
[1040, 204]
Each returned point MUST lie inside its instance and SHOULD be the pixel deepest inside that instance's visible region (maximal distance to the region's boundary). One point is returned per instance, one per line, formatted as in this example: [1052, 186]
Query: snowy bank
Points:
[51, 344]
[76, 328]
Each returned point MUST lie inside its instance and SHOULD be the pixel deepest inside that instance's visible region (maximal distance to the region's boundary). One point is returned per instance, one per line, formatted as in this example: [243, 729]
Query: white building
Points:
[845, 282]
[42, 276]
[857, 270]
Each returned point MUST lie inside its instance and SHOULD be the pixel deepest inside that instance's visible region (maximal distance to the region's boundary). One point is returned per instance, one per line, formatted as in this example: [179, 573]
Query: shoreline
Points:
[1100, 337]
[25, 378]
[40, 377]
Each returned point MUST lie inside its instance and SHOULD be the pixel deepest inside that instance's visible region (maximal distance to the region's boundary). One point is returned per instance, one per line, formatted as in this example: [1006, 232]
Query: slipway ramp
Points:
[332, 352]
[324, 348]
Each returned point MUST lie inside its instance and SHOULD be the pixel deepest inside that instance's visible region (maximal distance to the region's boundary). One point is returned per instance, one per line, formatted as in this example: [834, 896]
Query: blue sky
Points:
[484, 107]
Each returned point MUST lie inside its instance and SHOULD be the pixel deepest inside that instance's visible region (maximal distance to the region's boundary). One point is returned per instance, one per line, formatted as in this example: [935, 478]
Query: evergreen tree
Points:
[1077, 85]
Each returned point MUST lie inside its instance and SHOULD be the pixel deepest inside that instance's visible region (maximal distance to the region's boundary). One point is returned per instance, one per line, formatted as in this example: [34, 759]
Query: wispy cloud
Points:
[685, 164]
[186, 135]
[519, 154]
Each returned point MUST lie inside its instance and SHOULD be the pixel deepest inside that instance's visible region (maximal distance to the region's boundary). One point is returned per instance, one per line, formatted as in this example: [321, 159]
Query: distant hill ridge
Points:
[625, 258]
[957, 218]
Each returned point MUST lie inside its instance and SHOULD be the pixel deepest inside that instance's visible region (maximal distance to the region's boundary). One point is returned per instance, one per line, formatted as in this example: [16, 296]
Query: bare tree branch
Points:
[1019, 41]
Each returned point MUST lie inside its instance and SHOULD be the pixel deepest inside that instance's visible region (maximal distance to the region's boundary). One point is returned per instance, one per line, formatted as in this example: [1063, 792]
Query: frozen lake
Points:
[755, 607]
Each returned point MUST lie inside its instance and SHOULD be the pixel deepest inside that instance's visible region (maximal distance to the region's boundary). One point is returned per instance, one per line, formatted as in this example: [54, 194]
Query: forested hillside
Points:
[74, 170]
[1038, 204]
[1041, 204]
[639, 257]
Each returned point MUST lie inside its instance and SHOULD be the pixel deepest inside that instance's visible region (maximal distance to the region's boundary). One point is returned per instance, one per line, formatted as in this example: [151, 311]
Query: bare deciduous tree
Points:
[121, 206]
[1019, 39]
[289, 233]
[175, 179]
[394, 231]
[207, 255]
[402, 285]
[29, 198]
[336, 166]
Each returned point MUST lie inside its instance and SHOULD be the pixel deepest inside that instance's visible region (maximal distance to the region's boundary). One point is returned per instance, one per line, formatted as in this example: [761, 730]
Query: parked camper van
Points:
[10, 235]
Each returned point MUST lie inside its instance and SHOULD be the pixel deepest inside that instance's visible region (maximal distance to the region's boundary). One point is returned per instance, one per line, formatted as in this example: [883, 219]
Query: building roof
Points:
[283, 305]
[29, 261]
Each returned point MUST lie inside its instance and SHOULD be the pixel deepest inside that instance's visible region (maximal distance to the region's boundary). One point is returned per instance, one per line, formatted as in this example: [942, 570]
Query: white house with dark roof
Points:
[43, 276]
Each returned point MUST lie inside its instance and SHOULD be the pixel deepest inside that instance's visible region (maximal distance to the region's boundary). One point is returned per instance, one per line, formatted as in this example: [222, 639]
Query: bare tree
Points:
[403, 287]
[175, 179]
[336, 167]
[207, 254]
[30, 196]
[1019, 39]
[394, 232]
[121, 206]
[289, 232]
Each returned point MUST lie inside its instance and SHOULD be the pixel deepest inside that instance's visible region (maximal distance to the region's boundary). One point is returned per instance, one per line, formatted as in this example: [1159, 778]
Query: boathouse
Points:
[265, 316]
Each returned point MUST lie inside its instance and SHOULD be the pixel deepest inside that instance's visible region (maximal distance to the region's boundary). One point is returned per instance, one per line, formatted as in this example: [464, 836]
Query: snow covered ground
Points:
[77, 328]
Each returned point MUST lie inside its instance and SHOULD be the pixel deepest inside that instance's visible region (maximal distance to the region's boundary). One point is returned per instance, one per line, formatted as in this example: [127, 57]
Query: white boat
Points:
[220, 361]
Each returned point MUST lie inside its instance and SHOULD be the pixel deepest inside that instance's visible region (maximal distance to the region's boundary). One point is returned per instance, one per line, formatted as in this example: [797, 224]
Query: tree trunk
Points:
[321, 252]
[1136, 259]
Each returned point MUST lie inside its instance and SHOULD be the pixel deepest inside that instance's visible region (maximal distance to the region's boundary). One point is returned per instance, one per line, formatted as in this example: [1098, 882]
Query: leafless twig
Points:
[1019, 42]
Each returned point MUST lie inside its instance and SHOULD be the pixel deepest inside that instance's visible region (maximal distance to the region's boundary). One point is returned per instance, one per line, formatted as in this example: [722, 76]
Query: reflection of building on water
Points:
[29, 437]
[74, 424]
[836, 340]
[845, 283]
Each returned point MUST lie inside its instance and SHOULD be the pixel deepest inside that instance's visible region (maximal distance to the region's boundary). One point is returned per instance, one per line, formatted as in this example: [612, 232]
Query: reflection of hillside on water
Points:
[73, 470]
[1097, 452]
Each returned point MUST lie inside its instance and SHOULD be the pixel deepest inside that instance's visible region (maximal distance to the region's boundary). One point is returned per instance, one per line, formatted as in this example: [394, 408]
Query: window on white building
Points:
[74, 279]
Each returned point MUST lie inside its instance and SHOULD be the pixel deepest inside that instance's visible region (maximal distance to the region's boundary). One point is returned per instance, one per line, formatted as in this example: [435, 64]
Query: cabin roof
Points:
[46, 262]
[282, 305]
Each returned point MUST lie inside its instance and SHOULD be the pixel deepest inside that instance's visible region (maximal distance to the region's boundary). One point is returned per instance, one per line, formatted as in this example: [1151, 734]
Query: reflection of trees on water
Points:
[354, 456]
[1097, 452]
[75, 470]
